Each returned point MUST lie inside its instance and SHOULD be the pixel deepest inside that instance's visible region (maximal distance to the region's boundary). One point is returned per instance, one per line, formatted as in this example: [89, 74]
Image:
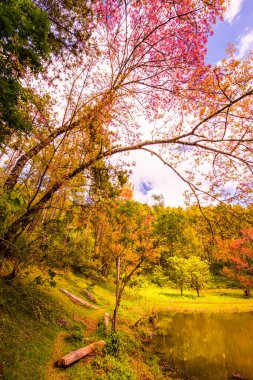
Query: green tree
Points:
[169, 226]
[199, 273]
[29, 32]
[178, 271]
[70, 26]
[24, 29]
[177, 234]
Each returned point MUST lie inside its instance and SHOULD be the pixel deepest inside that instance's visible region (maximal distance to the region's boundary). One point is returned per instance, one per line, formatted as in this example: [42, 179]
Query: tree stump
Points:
[106, 321]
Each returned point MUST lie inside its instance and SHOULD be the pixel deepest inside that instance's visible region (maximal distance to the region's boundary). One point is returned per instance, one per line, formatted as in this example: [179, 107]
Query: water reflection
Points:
[207, 346]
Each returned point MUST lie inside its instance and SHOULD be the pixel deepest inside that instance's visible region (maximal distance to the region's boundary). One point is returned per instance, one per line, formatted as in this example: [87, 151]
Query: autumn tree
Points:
[107, 183]
[237, 255]
[128, 240]
[145, 59]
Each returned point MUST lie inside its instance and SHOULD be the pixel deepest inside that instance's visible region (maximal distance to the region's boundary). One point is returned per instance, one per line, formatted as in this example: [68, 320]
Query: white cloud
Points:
[150, 170]
[245, 44]
[233, 10]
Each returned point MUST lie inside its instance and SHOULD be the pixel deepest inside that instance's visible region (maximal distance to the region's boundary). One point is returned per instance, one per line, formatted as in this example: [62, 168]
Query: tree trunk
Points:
[78, 354]
[117, 296]
[120, 288]
[247, 292]
[20, 224]
[23, 160]
[15, 270]
[197, 289]
[14, 231]
[152, 320]
[181, 291]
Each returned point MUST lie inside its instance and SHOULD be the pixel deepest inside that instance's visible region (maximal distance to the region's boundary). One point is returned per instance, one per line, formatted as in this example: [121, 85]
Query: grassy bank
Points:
[39, 324]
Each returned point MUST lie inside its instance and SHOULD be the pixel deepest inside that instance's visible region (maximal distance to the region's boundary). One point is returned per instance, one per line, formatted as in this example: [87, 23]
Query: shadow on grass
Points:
[178, 296]
[229, 295]
[211, 295]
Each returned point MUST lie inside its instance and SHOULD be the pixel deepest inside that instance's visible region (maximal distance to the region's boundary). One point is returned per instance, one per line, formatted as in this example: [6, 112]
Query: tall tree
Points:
[149, 61]
[128, 241]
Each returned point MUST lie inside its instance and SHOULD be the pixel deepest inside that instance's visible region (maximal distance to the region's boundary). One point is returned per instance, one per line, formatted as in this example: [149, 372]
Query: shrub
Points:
[75, 336]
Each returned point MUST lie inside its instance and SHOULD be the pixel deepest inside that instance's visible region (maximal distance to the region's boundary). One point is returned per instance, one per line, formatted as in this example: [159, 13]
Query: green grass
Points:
[28, 328]
[227, 300]
[31, 338]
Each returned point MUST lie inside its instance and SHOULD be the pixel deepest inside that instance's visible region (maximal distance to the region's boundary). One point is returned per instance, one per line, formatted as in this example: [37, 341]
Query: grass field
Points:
[32, 339]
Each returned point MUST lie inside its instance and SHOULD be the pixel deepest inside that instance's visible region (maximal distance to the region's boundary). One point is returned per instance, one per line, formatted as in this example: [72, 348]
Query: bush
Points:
[114, 344]
[118, 344]
[114, 368]
[154, 366]
[138, 282]
[76, 336]
[159, 278]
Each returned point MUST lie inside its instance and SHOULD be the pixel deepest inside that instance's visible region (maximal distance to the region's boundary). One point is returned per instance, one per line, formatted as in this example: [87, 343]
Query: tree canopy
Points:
[24, 32]
[29, 32]
[116, 77]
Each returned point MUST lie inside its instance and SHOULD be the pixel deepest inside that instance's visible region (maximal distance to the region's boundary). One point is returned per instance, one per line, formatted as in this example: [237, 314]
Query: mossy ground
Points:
[32, 339]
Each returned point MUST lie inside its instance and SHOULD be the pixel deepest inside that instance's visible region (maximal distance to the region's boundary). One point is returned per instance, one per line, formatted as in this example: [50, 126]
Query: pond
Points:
[207, 346]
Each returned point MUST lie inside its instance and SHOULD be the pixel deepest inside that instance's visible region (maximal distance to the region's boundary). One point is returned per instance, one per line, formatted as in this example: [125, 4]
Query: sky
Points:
[149, 176]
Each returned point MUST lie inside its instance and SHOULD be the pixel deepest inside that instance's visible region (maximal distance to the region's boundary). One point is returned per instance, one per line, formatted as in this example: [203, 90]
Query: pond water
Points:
[207, 346]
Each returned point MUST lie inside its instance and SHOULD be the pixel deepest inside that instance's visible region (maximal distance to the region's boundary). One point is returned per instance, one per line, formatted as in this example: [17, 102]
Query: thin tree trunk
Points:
[117, 298]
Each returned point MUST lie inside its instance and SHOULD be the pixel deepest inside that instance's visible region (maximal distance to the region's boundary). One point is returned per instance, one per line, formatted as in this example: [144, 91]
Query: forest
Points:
[82, 85]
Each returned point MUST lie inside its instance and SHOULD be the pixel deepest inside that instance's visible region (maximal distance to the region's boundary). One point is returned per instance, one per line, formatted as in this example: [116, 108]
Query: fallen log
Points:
[236, 375]
[137, 322]
[79, 354]
[90, 296]
[78, 300]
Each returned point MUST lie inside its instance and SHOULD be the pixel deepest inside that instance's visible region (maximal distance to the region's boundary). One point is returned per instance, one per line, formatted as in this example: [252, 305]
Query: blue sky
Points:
[149, 176]
[237, 28]
[145, 187]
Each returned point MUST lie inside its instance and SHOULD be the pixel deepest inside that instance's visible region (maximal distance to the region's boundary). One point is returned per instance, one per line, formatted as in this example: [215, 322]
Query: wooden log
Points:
[78, 300]
[236, 375]
[90, 296]
[137, 322]
[79, 354]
